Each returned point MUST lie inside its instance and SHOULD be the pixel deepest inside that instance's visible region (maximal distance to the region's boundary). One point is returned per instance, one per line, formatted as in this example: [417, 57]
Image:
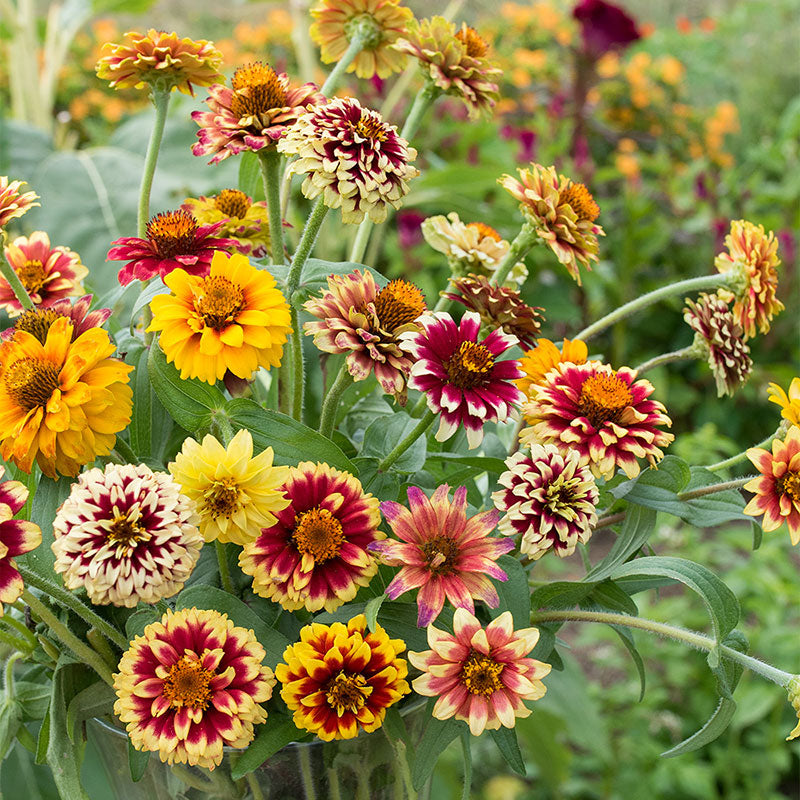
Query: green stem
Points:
[609, 519]
[255, 789]
[334, 789]
[306, 245]
[523, 242]
[714, 488]
[161, 102]
[297, 368]
[8, 683]
[270, 161]
[465, 746]
[667, 358]
[306, 772]
[733, 460]
[401, 770]
[337, 73]
[224, 572]
[14, 282]
[330, 405]
[405, 443]
[100, 645]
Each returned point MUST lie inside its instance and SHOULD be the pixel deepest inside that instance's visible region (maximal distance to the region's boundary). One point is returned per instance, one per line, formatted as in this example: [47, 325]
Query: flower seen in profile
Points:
[39, 320]
[604, 27]
[243, 221]
[536, 363]
[13, 203]
[789, 402]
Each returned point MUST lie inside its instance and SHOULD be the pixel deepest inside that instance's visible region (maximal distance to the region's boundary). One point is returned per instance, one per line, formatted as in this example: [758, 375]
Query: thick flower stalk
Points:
[13, 202]
[243, 221]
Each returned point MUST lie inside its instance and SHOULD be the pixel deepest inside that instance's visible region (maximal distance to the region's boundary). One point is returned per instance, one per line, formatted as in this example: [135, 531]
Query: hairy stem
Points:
[224, 572]
[739, 457]
[523, 242]
[297, 368]
[161, 102]
[14, 282]
[403, 445]
[667, 358]
[337, 73]
[330, 405]
[269, 160]
[306, 245]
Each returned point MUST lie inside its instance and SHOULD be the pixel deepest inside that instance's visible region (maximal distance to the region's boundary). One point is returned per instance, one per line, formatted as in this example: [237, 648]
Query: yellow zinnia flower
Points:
[789, 403]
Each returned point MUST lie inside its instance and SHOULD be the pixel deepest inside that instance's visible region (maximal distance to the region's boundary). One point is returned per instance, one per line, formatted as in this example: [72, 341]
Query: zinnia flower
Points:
[253, 114]
[602, 414]
[14, 203]
[174, 241]
[235, 493]
[47, 273]
[480, 675]
[604, 27]
[126, 534]
[536, 363]
[234, 319]
[441, 552]
[561, 212]
[753, 257]
[352, 158]
[777, 490]
[61, 402]
[378, 22]
[17, 536]
[793, 688]
[160, 59]
[316, 555]
[549, 499]
[789, 403]
[39, 320]
[191, 685]
[461, 377]
[244, 221]
[340, 679]
[358, 319]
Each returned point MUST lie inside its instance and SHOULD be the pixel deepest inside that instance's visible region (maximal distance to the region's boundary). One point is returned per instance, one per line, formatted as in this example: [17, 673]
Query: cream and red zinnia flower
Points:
[316, 554]
[549, 500]
[536, 363]
[442, 553]
[14, 203]
[461, 378]
[789, 402]
[191, 685]
[351, 158]
[357, 318]
[243, 221]
[254, 113]
[480, 675]
[777, 489]
[39, 320]
[604, 415]
[340, 679]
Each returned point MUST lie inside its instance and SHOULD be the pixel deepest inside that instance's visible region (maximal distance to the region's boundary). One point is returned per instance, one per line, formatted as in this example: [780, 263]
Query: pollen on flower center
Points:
[485, 231]
[481, 674]
[560, 495]
[370, 126]
[256, 89]
[469, 366]
[580, 200]
[32, 274]
[31, 381]
[188, 684]
[219, 302]
[440, 554]
[37, 322]
[172, 233]
[347, 692]
[126, 531]
[603, 398]
[318, 533]
[398, 303]
[789, 483]
[222, 499]
[232, 203]
[476, 45]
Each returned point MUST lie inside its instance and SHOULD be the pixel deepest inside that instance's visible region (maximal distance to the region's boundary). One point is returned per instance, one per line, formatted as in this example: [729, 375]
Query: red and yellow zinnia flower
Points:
[14, 203]
[538, 362]
[243, 221]
[39, 320]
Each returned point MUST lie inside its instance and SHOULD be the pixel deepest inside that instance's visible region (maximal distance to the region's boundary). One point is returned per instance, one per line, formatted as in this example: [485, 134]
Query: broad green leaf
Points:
[626, 637]
[277, 732]
[715, 725]
[438, 734]
[10, 723]
[150, 424]
[49, 496]
[43, 740]
[396, 728]
[385, 485]
[609, 596]
[139, 620]
[496, 466]
[560, 594]
[34, 698]
[382, 435]
[93, 701]
[636, 530]
[506, 741]
[63, 755]
[372, 609]
[728, 672]
[250, 181]
[145, 296]
[137, 762]
[514, 593]
[758, 534]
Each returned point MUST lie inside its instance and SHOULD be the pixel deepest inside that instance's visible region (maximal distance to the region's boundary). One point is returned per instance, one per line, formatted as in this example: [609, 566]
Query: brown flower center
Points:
[172, 233]
[219, 302]
[469, 366]
[580, 200]
[440, 554]
[31, 381]
[32, 275]
[188, 684]
[485, 231]
[256, 90]
[222, 499]
[603, 398]
[347, 692]
[398, 303]
[481, 674]
[370, 126]
[232, 203]
[789, 483]
[477, 47]
[37, 322]
[126, 532]
[318, 533]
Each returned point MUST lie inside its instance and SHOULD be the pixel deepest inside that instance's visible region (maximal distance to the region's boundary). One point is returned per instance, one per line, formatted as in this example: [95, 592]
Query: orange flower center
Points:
[256, 90]
[31, 381]
[485, 231]
[172, 233]
[371, 127]
[481, 674]
[477, 47]
[440, 554]
[188, 684]
[347, 692]
[37, 322]
[222, 499]
[232, 203]
[398, 303]
[580, 200]
[219, 302]
[789, 483]
[469, 366]
[603, 398]
[318, 533]
[125, 530]
[32, 275]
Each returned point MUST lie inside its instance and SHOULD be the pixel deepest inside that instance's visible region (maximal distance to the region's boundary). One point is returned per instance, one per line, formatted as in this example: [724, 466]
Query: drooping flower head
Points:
[777, 490]
[480, 675]
[47, 273]
[235, 493]
[234, 319]
[39, 320]
[316, 555]
[549, 499]
[562, 213]
[462, 378]
[604, 27]
[340, 679]
[243, 221]
[442, 553]
[789, 403]
[351, 158]
[793, 689]
[256, 111]
[604, 415]
[162, 60]
[191, 685]
[358, 319]
[536, 363]
[14, 203]
[62, 402]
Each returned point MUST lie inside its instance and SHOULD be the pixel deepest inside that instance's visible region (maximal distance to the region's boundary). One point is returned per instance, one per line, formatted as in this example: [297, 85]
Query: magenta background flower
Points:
[38, 320]
[604, 27]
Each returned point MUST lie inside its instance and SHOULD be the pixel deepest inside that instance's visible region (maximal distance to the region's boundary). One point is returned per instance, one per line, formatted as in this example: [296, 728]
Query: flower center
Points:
[469, 366]
[603, 398]
[125, 531]
[318, 533]
[256, 90]
[481, 674]
[371, 126]
[37, 322]
[476, 46]
[440, 554]
[188, 684]
[172, 233]
[580, 200]
[789, 483]
[398, 303]
[31, 381]
[219, 302]
[485, 231]
[32, 275]
[222, 499]
[559, 496]
[232, 203]
[347, 692]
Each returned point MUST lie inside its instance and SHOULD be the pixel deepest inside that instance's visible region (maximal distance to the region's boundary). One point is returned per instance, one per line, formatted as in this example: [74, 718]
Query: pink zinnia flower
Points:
[38, 320]
[604, 27]
[441, 552]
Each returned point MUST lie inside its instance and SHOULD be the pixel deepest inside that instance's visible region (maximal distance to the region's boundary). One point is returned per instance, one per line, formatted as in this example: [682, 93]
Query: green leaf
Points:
[94, 701]
[495, 466]
[713, 728]
[150, 424]
[43, 740]
[385, 485]
[626, 638]
[758, 534]
[63, 755]
[371, 611]
[506, 741]
[276, 733]
[137, 762]
[145, 296]
[250, 181]
[10, 723]
[609, 596]
[49, 496]
[34, 698]
[383, 434]
[636, 530]
[438, 734]
[560, 594]
[515, 595]
[396, 728]
[728, 672]
[139, 620]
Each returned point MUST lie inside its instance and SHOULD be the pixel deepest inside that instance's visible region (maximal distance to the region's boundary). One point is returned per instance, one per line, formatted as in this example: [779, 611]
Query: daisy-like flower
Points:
[126, 534]
[777, 490]
[456, 60]
[17, 536]
[234, 319]
[719, 337]
[235, 493]
[789, 403]
[461, 378]
[38, 321]
[14, 203]
[340, 679]
[316, 554]
[378, 23]
[174, 241]
[561, 212]
[62, 402]
[244, 221]
[602, 414]
[358, 319]
[793, 688]
[191, 685]
[163, 60]
[254, 113]
[480, 675]
[536, 363]
[753, 257]
[549, 499]
[351, 158]
[441, 552]
[47, 273]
